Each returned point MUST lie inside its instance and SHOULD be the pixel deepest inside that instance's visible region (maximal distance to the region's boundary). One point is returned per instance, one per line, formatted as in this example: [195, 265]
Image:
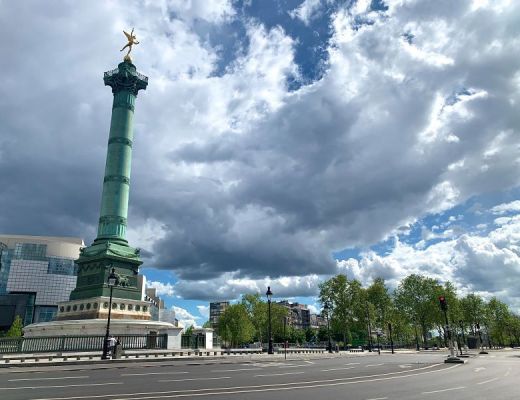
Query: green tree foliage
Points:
[16, 328]
[235, 326]
[416, 297]
[346, 301]
[378, 295]
[472, 307]
[258, 311]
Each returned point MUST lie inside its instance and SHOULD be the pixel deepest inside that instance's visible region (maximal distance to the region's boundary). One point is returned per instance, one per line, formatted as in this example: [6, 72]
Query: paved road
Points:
[385, 377]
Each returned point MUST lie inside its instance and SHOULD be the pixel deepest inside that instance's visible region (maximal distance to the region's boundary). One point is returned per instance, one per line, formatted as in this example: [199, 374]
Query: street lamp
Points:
[369, 328]
[285, 336]
[269, 295]
[326, 308]
[391, 340]
[461, 323]
[112, 281]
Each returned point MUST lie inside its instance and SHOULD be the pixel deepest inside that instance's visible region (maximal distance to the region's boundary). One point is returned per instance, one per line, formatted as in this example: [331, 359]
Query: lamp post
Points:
[326, 308]
[369, 328]
[391, 340]
[378, 333]
[461, 323]
[112, 281]
[285, 336]
[269, 295]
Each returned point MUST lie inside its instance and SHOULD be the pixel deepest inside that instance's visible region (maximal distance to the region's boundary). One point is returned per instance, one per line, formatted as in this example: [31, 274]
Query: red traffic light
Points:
[441, 298]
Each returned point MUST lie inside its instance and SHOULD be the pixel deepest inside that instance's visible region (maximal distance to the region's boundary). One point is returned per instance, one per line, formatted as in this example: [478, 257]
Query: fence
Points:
[78, 343]
[193, 341]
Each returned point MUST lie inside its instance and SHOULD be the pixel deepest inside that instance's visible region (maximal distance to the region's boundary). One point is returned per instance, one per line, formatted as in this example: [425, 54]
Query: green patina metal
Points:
[110, 249]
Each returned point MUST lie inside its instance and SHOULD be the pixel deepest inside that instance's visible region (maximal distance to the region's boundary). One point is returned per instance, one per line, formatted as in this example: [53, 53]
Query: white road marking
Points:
[294, 366]
[284, 373]
[45, 379]
[405, 366]
[156, 373]
[379, 398]
[374, 365]
[444, 390]
[62, 386]
[269, 387]
[479, 369]
[336, 369]
[489, 380]
[508, 372]
[309, 362]
[238, 369]
[194, 379]
[352, 363]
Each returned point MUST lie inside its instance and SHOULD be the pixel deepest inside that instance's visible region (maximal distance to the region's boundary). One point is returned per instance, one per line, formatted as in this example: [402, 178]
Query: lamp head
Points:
[112, 278]
[269, 294]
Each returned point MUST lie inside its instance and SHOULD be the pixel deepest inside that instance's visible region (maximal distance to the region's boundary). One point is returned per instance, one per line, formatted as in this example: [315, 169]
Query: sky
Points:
[279, 142]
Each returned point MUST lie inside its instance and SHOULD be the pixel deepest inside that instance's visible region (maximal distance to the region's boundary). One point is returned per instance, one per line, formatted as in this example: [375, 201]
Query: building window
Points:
[130, 307]
[105, 304]
[114, 306]
[137, 307]
[81, 307]
[95, 305]
[88, 306]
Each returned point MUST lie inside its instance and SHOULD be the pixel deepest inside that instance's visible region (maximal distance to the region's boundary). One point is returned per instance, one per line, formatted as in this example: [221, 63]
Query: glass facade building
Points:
[40, 267]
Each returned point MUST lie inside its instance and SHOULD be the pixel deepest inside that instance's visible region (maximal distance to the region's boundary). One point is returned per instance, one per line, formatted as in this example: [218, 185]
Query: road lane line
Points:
[445, 390]
[295, 366]
[45, 379]
[379, 398]
[249, 389]
[156, 373]
[335, 381]
[489, 380]
[374, 365]
[352, 363]
[508, 372]
[336, 369]
[61, 386]
[194, 379]
[238, 369]
[284, 373]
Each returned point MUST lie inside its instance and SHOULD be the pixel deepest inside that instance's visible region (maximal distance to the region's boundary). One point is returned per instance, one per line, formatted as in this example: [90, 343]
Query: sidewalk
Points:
[91, 358]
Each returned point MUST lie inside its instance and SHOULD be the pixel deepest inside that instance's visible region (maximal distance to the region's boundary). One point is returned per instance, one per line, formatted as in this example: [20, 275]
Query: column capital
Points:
[125, 78]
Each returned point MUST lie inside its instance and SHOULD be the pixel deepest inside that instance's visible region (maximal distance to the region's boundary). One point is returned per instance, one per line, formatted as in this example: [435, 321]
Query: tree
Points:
[234, 325]
[416, 297]
[498, 319]
[472, 307]
[189, 330]
[344, 298]
[207, 324]
[16, 328]
[378, 296]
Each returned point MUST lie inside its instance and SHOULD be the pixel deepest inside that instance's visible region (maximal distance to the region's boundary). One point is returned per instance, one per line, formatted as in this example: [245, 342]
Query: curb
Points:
[121, 363]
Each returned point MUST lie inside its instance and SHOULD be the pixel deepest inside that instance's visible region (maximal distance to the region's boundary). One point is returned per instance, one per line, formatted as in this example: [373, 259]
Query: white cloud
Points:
[487, 265]
[506, 207]
[185, 318]
[306, 11]
[216, 11]
[204, 311]
[163, 289]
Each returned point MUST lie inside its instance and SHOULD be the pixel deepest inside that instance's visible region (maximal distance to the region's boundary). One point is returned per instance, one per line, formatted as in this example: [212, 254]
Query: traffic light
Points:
[442, 301]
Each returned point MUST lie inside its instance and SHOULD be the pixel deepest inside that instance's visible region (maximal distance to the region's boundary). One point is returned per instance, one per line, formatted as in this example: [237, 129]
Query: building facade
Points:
[215, 310]
[36, 272]
[299, 314]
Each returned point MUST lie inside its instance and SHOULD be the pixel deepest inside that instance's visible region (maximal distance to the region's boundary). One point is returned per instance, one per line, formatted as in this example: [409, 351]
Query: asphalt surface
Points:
[363, 377]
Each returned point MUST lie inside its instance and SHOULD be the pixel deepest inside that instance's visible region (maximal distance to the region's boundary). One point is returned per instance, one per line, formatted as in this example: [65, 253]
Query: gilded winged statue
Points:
[131, 41]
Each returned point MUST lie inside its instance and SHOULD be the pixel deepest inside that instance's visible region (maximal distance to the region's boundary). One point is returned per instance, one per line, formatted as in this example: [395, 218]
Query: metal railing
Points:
[79, 343]
[193, 341]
